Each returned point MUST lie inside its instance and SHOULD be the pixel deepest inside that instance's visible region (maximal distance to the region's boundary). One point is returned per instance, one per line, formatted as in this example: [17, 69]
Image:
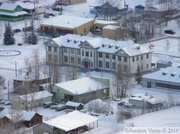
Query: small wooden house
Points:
[74, 105]
[20, 118]
[163, 63]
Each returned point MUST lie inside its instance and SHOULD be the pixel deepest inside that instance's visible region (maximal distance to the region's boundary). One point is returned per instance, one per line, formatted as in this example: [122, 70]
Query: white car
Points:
[7, 103]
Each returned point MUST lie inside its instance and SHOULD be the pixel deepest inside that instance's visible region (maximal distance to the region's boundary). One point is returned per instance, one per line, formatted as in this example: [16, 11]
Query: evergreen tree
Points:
[32, 39]
[8, 35]
[138, 75]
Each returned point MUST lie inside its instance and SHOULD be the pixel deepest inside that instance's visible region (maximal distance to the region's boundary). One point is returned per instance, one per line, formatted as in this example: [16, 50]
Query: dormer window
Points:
[68, 40]
[110, 46]
[173, 74]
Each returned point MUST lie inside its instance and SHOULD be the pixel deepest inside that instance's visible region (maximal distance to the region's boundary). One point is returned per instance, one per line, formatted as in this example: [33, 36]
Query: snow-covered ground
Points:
[107, 124]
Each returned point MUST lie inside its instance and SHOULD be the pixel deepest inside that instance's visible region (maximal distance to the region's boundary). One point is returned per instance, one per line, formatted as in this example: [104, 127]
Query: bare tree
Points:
[122, 81]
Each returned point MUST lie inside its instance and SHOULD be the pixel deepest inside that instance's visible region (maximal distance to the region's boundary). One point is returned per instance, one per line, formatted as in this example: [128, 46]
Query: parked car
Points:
[60, 107]
[16, 30]
[7, 103]
[56, 8]
[47, 104]
[53, 106]
[117, 99]
[2, 101]
[169, 32]
[121, 103]
[27, 29]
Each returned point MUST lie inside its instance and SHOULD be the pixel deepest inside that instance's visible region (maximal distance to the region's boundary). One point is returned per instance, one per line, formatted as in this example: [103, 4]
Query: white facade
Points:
[98, 53]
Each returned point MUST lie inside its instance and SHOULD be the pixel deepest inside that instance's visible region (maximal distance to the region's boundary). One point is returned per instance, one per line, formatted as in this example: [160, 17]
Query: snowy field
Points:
[107, 124]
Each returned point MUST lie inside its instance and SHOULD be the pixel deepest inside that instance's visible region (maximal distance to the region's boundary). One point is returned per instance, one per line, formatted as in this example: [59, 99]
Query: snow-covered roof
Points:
[66, 21]
[163, 61]
[104, 22]
[135, 49]
[145, 97]
[8, 6]
[31, 76]
[103, 44]
[162, 7]
[111, 27]
[71, 121]
[74, 104]
[26, 115]
[13, 14]
[29, 5]
[169, 74]
[36, 95]
[82, 85]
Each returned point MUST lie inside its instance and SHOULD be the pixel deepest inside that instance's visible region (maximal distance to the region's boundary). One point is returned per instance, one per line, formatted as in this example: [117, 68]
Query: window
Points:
[91, 64]
[100, 64]
[55, 58]
[49, 57]
[79, 60]
[137, 58]
[141, 67]
[113, 57]
[147, 56]
[125, 59]
[141, 57]
[87, 53]
[105, 91]
[78, 52]
[65, 59]
[65, 50]
[125, 68]
[107, 56]
[119, 58]
[107, 64]
[84, 30]
[49, 48]
[147, 66]
[91, 53]
[133, 59]
[100, 55]
[72, 51]
[82, 52]
[72, 59]
[113, 65]
[55, 49]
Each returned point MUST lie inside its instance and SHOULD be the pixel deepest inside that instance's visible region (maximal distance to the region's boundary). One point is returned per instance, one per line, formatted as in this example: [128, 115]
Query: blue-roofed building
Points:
[12, 12]
[139, 9]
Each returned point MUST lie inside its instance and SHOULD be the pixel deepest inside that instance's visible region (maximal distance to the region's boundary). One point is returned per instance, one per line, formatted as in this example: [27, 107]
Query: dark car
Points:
[169, 32]
[16, 30]
[57, 9]
[121, 103]
[27, 29]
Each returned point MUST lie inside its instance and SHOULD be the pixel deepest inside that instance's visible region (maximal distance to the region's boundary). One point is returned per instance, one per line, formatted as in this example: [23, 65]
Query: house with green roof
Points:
[12, 12]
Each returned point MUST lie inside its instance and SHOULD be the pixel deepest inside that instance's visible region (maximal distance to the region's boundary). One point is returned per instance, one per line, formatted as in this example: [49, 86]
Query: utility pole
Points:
[8, 89]
[15, 68]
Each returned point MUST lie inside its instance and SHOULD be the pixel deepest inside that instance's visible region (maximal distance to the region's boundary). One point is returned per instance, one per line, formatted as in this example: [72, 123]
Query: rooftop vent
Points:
[75, 41]
[173, 74]
[117, 47]
[164, 73]
[109, 46]
[138, 47]
[103, 45]
[68, 40]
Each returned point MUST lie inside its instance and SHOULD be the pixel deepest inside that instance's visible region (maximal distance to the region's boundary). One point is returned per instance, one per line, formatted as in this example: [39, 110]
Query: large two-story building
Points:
[94, 53]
